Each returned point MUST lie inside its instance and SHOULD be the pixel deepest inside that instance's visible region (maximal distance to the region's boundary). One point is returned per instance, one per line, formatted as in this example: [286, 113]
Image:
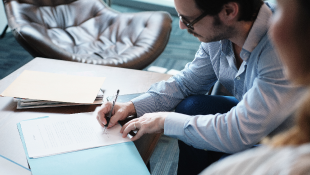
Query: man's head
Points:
[216, 18]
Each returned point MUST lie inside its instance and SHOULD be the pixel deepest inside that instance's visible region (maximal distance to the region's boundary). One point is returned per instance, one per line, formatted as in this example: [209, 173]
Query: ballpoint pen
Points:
[110, 113]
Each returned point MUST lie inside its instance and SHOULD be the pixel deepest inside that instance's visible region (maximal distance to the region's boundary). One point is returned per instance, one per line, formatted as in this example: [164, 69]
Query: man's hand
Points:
[148, 123]
[120, 112]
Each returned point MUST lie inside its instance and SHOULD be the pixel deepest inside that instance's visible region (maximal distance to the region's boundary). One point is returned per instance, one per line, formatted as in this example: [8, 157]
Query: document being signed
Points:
[56, 135]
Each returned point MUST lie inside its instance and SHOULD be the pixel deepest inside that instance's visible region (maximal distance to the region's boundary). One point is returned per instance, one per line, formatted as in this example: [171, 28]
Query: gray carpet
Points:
[180, 50]
[12, 55]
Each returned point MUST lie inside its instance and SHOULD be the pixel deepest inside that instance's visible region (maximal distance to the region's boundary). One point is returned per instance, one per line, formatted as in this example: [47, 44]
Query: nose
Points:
[182, 25]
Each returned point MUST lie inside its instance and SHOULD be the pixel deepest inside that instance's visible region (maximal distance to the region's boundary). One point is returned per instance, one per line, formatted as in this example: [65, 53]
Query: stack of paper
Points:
[77, 144]
[23, 103]
[57, 135]
[41, 89]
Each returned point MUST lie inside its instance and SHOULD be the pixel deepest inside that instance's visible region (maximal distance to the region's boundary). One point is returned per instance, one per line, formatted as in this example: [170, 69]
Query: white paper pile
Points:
[34, 89]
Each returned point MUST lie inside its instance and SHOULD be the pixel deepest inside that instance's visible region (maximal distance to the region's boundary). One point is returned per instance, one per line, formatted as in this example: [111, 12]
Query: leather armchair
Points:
[88, 31]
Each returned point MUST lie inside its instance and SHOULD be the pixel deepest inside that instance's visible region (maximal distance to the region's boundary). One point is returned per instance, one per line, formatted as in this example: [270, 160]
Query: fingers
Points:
[116, 116]
[132, 126]
[148, 123]
[138, 135]
[102, 111]
[126, 125]
[120, 112]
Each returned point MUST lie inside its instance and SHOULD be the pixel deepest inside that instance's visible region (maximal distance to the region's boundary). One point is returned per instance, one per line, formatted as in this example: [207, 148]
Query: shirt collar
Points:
[259, 28]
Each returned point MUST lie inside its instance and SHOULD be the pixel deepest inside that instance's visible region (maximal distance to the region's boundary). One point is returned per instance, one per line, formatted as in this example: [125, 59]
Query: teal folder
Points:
[117, 159]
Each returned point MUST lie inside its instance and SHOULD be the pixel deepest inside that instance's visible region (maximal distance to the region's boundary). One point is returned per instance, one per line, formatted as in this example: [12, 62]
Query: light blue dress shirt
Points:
[266, 97]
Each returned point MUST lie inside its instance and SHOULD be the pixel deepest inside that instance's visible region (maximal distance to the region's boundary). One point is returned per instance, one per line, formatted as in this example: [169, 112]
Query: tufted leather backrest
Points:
[62, 14]
[44, 2]
[88, 31]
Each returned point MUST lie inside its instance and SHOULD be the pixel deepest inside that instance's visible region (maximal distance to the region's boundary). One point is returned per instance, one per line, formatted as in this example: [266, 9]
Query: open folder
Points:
[58, 89]
[119, 158]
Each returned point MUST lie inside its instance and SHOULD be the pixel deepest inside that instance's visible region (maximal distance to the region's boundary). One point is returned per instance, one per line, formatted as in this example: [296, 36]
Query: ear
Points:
[230, 13]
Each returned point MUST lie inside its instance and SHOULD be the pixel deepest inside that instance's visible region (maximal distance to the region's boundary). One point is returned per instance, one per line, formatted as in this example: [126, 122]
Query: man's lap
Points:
[206, 104]
[192, 160]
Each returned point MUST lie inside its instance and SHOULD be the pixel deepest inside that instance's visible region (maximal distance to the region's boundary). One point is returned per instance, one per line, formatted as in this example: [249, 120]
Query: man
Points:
[236, 51]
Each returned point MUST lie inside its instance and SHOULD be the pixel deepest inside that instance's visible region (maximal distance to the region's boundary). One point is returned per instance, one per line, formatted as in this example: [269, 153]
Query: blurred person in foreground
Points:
[289, 152]
[236, 51]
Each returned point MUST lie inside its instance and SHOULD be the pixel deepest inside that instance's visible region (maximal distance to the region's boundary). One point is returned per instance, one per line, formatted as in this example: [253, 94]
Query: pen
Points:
[110, 113]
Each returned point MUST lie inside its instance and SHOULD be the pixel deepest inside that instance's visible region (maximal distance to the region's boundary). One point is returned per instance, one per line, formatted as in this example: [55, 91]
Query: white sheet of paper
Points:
[51, 136]
[55, 87]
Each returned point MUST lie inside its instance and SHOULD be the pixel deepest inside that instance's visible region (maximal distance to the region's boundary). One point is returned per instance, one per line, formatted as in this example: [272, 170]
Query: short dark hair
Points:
[248, 8]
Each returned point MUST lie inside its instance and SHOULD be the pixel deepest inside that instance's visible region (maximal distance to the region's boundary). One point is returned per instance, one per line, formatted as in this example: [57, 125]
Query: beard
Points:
[219, 31]
[190, 31]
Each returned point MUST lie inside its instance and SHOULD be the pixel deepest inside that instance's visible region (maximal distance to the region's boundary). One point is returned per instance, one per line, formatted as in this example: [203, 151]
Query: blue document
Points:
[117, 159]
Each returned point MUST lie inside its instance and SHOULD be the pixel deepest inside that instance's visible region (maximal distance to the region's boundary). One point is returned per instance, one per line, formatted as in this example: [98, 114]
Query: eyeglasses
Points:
[190, 25]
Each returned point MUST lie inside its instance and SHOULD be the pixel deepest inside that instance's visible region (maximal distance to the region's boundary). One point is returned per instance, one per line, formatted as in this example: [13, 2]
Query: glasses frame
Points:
[190, 25]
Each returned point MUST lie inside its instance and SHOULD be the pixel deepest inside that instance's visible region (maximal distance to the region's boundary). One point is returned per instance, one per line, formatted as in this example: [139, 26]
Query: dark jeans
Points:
[192, 160]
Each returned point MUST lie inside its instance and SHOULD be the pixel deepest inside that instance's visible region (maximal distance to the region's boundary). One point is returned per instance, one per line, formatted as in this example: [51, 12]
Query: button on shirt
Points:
[266, 97]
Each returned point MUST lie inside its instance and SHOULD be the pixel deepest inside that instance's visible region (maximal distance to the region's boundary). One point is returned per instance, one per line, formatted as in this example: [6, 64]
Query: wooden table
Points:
[128, 81]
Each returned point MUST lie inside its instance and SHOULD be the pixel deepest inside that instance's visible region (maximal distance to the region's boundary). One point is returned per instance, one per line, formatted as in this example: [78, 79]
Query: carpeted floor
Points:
[12, 55]
[180, 50]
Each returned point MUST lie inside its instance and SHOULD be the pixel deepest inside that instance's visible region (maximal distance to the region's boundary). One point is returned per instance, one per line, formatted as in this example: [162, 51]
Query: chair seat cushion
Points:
[88, 31]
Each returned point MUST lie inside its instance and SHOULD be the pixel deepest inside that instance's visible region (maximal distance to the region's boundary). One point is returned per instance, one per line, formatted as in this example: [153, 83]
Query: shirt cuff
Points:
[143, 104]
[174, 125]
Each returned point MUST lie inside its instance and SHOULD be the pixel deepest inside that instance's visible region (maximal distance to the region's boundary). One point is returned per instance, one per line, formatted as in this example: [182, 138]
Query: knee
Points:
[184, 105]
[205, 104]
[190, 105]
